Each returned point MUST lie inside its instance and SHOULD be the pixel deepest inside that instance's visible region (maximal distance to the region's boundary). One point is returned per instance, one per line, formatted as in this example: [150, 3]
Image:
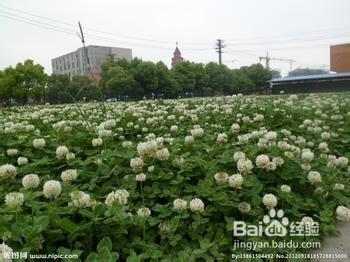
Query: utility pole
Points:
[219, 47]
[81, 36]
[267, 60]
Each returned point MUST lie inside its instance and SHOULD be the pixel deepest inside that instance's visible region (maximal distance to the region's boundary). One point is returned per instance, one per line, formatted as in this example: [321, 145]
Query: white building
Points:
[75, 63]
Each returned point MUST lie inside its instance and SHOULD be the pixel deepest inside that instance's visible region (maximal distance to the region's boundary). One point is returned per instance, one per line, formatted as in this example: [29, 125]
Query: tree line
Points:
[135, 79]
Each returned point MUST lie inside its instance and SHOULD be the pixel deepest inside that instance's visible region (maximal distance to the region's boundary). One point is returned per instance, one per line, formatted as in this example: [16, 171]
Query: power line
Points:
[96, 30]
[322, 31]
[42, 26]
[92, 36]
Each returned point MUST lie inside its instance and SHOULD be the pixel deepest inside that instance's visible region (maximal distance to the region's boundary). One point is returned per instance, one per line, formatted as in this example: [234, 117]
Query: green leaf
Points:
[105, 255]
[67, 225]
[40, 224]
[104, 243]
[205, 244]
[92, 257]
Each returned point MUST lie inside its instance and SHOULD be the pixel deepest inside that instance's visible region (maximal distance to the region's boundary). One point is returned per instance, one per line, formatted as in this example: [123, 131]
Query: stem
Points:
[176, 225]
[144, 230]
[143, 199]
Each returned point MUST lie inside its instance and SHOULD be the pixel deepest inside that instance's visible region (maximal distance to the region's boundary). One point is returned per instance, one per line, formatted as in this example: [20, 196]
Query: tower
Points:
[177, 58]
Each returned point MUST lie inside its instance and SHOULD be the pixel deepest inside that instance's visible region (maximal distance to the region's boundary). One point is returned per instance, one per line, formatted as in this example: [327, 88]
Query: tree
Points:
[25, 81]
[276, 74]
[242, 83]
[258, 74]
[202, 80]
[185, 76]
[120, 82]
[220, 79]
[307, 71]
[83, 87]
[146, 76]
[57, 89]
[164, 78]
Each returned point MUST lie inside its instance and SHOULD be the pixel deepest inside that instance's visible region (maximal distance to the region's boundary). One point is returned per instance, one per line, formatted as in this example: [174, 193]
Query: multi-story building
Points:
[75, 63]
[340, 58]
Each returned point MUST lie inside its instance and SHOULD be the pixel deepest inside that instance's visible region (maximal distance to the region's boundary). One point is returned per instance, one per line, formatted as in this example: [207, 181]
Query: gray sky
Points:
[297, 29]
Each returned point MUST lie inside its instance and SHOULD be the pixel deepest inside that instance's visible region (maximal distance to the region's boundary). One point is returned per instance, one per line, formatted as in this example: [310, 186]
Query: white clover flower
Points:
[325, 135]
[52, 189]
[278, 161]
[189, 139]
[323, 147]
[244, 207]
[119, 196]
[244, 166]
[222, 138]
[136, 163]
[147, 148]
[285, 188]
[70, 156]
[150, 169]
[14, 199]
[69, 175]
[178, 162]
[174, 128]
[12, 152]
[271, 136]
[144, 212]
[238, 155]
[180, 204]
[342, 213]
[7, 171]
[221, 177]
[21, 161]
[30, 181]
[262, 161]
[80, 199]
[243, 139]
[5, 251]
[339, 186]
[163, 154]
[235, 128]
[305, 167]
[342, 161]
[307, 156]
[270, 201]
[97, 142]
[127, 144]
[197, 205]
[61, 152]
[235, 181]
[140, 177]
[314, 177]
[307, 221]
[197, 132]
[39, 143]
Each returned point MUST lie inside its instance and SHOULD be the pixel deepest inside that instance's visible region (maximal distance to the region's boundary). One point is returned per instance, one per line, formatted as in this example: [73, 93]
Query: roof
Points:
[311, 78]
[340, 45]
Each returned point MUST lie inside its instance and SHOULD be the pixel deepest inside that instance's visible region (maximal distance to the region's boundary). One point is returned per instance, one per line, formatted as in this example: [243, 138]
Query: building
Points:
[177, 58]
[75, 63]
[340, 58]
[311, 84]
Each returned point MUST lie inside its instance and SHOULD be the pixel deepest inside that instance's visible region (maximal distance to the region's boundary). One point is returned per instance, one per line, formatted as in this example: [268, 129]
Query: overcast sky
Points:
[297, 29]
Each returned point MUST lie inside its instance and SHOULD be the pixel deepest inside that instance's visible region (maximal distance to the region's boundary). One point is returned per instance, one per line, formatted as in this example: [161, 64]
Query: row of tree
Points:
[135, 79]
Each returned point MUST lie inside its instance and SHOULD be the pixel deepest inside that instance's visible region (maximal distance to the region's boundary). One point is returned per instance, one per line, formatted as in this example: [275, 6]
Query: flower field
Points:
[165, 180]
